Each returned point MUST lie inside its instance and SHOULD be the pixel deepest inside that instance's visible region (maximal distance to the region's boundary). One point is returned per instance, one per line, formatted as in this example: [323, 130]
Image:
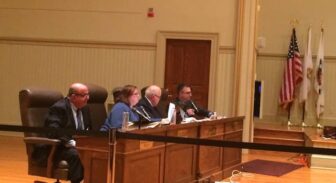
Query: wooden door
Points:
[188, 61]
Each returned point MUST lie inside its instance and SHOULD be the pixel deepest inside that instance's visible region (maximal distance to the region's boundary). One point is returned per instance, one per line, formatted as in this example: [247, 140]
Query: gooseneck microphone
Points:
[194, 106]
[140, 113]
[143, 109]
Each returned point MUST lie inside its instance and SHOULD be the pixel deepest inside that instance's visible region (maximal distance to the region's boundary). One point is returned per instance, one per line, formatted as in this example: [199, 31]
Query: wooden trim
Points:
[76, 43]
[282, 55]
[227, 49]
[254, 66]
[72, 10]
[239, 46]
[162, 36]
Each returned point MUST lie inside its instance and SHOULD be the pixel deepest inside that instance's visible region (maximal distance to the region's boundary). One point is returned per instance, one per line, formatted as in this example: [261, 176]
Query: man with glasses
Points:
[70, 113]
[187, 107]
[148, 104]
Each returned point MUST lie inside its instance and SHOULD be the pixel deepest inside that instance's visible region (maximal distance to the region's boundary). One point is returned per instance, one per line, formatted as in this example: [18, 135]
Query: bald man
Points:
[70, 113]
[148, 104]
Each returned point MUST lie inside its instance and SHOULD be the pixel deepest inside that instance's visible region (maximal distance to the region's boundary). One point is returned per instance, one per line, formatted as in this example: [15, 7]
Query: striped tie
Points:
[79, 120]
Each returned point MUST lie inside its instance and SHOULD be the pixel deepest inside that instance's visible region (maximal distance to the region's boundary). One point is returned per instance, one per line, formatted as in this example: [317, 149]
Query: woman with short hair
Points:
[128, 99]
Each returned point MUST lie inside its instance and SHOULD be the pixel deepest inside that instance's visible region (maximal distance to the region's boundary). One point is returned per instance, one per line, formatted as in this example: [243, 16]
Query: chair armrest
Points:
[32, 141]
[41, 140]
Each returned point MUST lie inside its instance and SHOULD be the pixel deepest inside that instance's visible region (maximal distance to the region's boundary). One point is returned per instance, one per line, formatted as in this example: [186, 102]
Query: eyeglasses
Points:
[157, 96]
[136, 93]
[81, 95]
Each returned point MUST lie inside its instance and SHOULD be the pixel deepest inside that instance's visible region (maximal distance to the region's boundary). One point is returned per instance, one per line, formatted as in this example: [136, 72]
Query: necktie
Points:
[79, 120]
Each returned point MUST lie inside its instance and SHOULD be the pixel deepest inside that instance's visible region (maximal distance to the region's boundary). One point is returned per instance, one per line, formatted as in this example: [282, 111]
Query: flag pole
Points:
[303, 124]
[288, 117]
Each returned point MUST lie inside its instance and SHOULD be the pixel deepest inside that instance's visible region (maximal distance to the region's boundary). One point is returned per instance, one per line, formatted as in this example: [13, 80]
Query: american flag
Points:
[292, 73]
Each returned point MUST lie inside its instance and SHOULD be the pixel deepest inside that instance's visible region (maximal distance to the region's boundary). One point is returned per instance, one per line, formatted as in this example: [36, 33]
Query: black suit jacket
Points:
[199, 111]
[153, 112]
[60, 116]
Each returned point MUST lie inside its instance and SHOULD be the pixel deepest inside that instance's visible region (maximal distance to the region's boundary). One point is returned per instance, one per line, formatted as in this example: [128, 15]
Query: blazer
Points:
[147, 109]
[199, 112]
[60, 116]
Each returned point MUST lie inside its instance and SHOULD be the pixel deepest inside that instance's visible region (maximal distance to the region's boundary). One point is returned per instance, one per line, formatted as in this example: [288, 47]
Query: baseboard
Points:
[323, 162]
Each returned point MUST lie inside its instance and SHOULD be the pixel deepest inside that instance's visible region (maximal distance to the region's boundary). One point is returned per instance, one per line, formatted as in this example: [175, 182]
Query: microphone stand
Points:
[141, 115]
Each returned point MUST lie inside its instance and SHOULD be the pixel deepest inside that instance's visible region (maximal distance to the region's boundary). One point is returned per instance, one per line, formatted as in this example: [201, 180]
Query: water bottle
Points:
[125, 120]
[215, 115]
[173, 121]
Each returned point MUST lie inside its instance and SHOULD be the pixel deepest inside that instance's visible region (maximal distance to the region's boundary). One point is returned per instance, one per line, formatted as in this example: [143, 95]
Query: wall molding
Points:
[77, 43]
[226, 49]
[281, 55]
[162, 37]
[77, 10]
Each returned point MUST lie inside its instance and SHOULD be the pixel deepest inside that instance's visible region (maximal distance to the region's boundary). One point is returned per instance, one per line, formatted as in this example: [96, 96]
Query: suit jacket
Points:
[145, 107]
[60, 116]
[199, 112]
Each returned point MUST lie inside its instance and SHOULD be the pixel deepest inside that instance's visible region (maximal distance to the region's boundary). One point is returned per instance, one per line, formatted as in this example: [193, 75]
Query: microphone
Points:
[143, 109]
[194, 106]
[140, 113]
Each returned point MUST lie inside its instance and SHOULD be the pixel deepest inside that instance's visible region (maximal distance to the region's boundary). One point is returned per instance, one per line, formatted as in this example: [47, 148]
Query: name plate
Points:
[182, 133]
[146, 144]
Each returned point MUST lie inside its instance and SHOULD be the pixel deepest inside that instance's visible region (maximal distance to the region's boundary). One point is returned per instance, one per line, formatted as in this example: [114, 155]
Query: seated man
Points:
[70, 113]
[148, 104]
[188, 108]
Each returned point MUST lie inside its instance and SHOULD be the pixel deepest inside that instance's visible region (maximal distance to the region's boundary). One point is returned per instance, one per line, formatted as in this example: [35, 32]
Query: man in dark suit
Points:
[188, 108]
[148, 103]
[70, 113]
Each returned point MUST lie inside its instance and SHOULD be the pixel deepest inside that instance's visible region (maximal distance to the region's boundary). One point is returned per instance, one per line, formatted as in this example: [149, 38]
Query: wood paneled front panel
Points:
[140, 167]
[232, 156]
[180, 163]
[210, 160]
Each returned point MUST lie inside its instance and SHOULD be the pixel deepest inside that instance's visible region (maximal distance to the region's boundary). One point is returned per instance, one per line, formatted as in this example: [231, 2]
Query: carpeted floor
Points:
[271, 168]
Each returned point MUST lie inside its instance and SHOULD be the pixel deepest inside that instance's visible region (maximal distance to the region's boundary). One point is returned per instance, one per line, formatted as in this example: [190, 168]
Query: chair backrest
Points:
[164, 102]
[96, 103]
[34, 106]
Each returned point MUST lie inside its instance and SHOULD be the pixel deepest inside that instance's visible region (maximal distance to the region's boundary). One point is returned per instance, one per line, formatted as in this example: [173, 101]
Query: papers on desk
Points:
[152, 125]
[165, 121]
[171, 111]
[135, 126]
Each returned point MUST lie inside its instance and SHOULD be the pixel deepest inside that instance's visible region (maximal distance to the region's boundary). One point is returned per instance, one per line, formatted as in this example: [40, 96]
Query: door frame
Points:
[159, 71]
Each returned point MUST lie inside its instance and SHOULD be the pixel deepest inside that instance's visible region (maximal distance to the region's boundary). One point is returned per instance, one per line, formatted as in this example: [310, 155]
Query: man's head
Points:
[153, 94]
[184, 92]
[78, 94]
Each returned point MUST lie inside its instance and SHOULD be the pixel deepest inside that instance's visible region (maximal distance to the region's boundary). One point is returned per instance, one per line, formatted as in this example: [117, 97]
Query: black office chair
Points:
[96, 104]
[34, 107]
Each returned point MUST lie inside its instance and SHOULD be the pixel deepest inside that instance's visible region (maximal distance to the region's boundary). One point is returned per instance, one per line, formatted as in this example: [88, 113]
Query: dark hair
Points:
[126, 92]
[180, 87]
[143, 91]
[116, 92]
